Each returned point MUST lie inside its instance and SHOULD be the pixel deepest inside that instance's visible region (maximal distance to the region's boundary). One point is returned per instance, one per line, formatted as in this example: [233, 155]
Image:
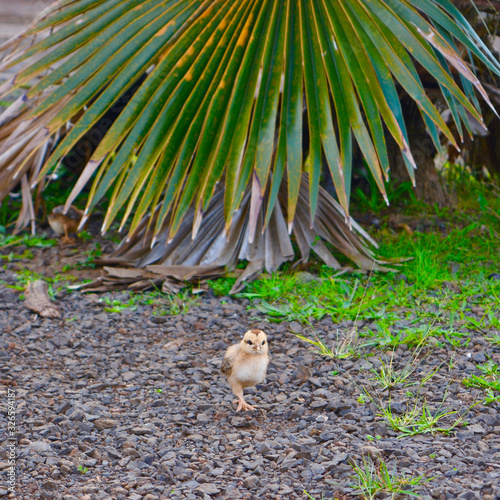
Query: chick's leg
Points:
[242, 404]
[66, 239]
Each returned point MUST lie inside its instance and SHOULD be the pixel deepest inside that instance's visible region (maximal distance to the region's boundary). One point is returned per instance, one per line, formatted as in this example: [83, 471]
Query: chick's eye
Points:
[249, 342]
[263, 342]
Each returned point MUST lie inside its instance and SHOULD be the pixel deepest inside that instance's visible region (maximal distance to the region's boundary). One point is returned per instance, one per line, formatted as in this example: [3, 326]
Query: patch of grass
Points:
[417, 417]
[28, 240]
[387, 375]
[483, 382]
[117, 306]
[418, 420]
[23, 276]
[490, 369]
[373, 438]
[490, 380]
[448, 283]
[490, 397]
[344, 347]
[372, 479]
[413, 415]
[180, 303]
[487, 321]
[384, 298]
[91, 255]
[163, 304]
[494, 339]
[287, 298]
[11, 257]
[221, 287]
[85, 236]
[437, 258]
[448, 270]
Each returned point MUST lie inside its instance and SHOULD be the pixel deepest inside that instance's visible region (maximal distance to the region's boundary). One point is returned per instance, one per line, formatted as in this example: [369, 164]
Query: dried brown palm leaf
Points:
[213, 253]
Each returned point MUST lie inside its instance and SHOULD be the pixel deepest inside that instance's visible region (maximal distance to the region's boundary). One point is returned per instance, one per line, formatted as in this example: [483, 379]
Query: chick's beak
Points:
[257, 348]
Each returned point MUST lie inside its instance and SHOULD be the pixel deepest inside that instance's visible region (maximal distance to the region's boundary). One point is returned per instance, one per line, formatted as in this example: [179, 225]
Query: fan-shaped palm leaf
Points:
[231, 87]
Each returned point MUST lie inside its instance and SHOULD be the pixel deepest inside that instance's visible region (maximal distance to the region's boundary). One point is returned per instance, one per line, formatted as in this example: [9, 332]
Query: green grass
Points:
[386, 297]
[371, 479]
[344, 347]
[494, 339]
[163, 304]
[389, 377]
[23, 276]
[489, 380]
[419, 419]
[10, 240]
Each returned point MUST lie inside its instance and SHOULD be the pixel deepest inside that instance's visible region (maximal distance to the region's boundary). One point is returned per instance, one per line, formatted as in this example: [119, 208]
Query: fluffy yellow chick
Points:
[245, 364]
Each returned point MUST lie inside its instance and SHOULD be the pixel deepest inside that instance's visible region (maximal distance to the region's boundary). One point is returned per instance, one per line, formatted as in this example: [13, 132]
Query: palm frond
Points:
[230, 89]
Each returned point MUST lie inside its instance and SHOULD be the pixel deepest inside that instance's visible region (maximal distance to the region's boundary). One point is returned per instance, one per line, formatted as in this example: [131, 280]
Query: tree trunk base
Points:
[430, 187]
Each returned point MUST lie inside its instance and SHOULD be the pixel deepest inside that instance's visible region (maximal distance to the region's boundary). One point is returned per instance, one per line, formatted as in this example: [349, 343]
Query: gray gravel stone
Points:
[39, 446]
[208, 489]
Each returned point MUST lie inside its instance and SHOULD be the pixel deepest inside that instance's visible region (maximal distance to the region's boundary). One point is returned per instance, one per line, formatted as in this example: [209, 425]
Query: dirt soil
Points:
[131, 405]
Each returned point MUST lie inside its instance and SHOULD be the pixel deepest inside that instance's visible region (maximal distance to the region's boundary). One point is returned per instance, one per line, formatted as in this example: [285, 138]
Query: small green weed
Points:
[372, 479]
[117, 306]
[344, 347]
[373, 438]
[82, 469]
[85, 236]
[222, 286]
[490, 397]
[490, 369]
[482, 382]
[388, 377]
[362, 399]
[91, 255]
[418, 420]
[180, 303]
[23, 276]
[11, 257]
[490, 380]
[494, 339]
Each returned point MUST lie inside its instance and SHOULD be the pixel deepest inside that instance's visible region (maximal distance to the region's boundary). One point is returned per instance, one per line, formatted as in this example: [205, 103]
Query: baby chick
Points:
[245, 364]
[62, 224]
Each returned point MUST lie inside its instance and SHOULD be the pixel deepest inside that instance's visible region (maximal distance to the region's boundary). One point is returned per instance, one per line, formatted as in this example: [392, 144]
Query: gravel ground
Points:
[131, 405]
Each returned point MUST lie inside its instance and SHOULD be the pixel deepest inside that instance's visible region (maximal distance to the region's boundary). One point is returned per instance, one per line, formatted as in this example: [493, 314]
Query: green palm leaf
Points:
[230, 89]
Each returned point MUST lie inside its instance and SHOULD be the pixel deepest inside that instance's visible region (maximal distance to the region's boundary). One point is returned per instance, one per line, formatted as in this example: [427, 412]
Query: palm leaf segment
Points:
[231, 87]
